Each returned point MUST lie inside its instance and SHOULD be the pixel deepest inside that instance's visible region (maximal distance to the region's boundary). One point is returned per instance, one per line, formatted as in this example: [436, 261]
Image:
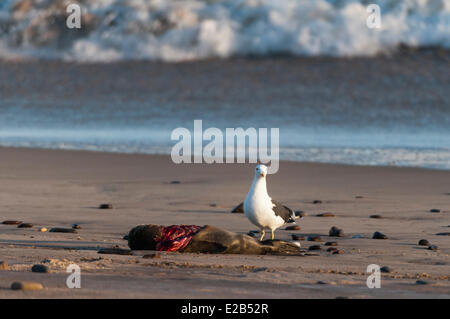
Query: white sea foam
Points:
[189, 30]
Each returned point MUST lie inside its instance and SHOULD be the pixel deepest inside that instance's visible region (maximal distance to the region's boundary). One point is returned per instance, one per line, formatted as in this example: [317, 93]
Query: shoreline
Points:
[53, 188]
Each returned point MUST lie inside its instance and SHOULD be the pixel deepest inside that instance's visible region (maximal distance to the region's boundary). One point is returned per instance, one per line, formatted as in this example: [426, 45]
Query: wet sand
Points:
[59, 188]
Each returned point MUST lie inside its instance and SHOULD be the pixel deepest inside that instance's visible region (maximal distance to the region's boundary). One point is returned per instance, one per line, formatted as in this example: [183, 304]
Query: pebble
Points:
[293, 227]
[254, 231]
[432, 247]
[421, 282]
[314, 238]
[358, 236]
[300, 214]
[4, 265]
[435, 210]
[317, 201]
[43, 229]
[115, 251]
[376, 216]
[331, 249]
[62, 230]
[251, 234]
[297, 237]
[315, 247]
[105, 206]
[152, 256]
[26, 286]
[125, 237]
[320, 282]
[331, 243]
[213, 205]
[385, 269]
[297, 243]
[378, 235]
[443, 234]
[76, 226]
[25, 225]
[359, 196]
[325, 215]
[424, 242]
[175, 182]
[40, 268]
[337, 252]
[336, 232]
[239, 209]
[12, 222]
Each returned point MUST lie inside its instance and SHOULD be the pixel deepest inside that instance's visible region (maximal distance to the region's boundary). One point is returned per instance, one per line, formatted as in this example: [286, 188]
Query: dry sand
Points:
[59, 188]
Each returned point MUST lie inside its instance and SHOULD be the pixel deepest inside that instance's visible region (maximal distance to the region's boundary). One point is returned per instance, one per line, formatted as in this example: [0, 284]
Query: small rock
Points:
[432, 247]
[331, 249]
[424, 242]
[297, 237]
[358, 236]
[376, 216]
[293, 227]
[443, 234]
[43, 229]
[331, 243]
[314, 238]
[336, 232]
[378, 235]
[152, 256]
[25, 225]
[421, 282]
[105, 206]
[435, 210]
[26, 286]
[251, 234]
[337, 252]
[254, 231]
[317, 201]
[325, 215]
[76, 226]
[320, 282]
[300, 214]
[62, 230]
[40, 268]
[4, 265]
[213, 205]
[12, 222]
[385, 269]
[115, 251]
[239, 209]
[359, 196]
[125, 237]
[175, 182]
[297, 243]
[315, 247]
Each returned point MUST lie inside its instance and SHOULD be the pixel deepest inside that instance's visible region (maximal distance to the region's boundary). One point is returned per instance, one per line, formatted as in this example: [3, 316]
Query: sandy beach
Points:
[54, 188]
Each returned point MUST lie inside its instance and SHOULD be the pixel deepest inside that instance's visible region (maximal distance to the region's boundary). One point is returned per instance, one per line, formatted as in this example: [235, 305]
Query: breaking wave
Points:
[114, 30]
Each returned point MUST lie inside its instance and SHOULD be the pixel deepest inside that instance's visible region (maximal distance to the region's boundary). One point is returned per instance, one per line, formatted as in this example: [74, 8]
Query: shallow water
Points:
[370, 111]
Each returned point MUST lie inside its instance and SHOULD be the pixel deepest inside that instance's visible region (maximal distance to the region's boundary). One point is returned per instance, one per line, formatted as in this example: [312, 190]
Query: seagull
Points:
[261, 210]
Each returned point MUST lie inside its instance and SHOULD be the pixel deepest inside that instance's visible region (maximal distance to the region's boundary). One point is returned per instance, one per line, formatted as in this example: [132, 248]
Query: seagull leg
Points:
[263, 234]
[273, 236]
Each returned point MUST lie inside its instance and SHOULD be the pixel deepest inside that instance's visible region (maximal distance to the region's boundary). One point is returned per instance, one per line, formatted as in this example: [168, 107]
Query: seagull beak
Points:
[263, 174]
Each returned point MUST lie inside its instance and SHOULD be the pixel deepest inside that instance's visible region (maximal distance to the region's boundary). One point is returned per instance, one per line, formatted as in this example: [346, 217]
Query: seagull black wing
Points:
[283, 211]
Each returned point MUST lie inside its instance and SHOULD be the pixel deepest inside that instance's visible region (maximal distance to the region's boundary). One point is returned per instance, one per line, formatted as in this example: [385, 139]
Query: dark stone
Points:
[26, 286]
[175, 182]
[424, 242]
[435, 210]
[359, 196]
[251, 234]
[325, 215]
[432, 247]
[331, 243]
[115, 251]
[376, 216]
[25, 225]
[62, 230]
[337, 252]
[152, 256]
[314, 238]
[105, 206]
[378, 235]
[40, 268]
[76, 226]
[12, 222]
[239, 209]
[297, 237]
[212, 205]
[331, 249]
[293, 227]
[336, 232]
[125, 237]
[443, 234]
[315, 247]
[385, 269]
[421, 282]
[317, 201]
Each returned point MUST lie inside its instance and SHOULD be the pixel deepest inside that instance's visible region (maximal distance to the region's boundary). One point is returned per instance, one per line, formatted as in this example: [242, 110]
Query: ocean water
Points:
[386, 110]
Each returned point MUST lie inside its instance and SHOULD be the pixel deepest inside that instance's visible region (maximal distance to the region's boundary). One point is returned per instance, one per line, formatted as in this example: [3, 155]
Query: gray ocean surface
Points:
[385, 110]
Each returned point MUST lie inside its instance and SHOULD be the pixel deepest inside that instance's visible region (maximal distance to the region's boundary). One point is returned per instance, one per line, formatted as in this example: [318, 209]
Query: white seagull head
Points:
[260, 171]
